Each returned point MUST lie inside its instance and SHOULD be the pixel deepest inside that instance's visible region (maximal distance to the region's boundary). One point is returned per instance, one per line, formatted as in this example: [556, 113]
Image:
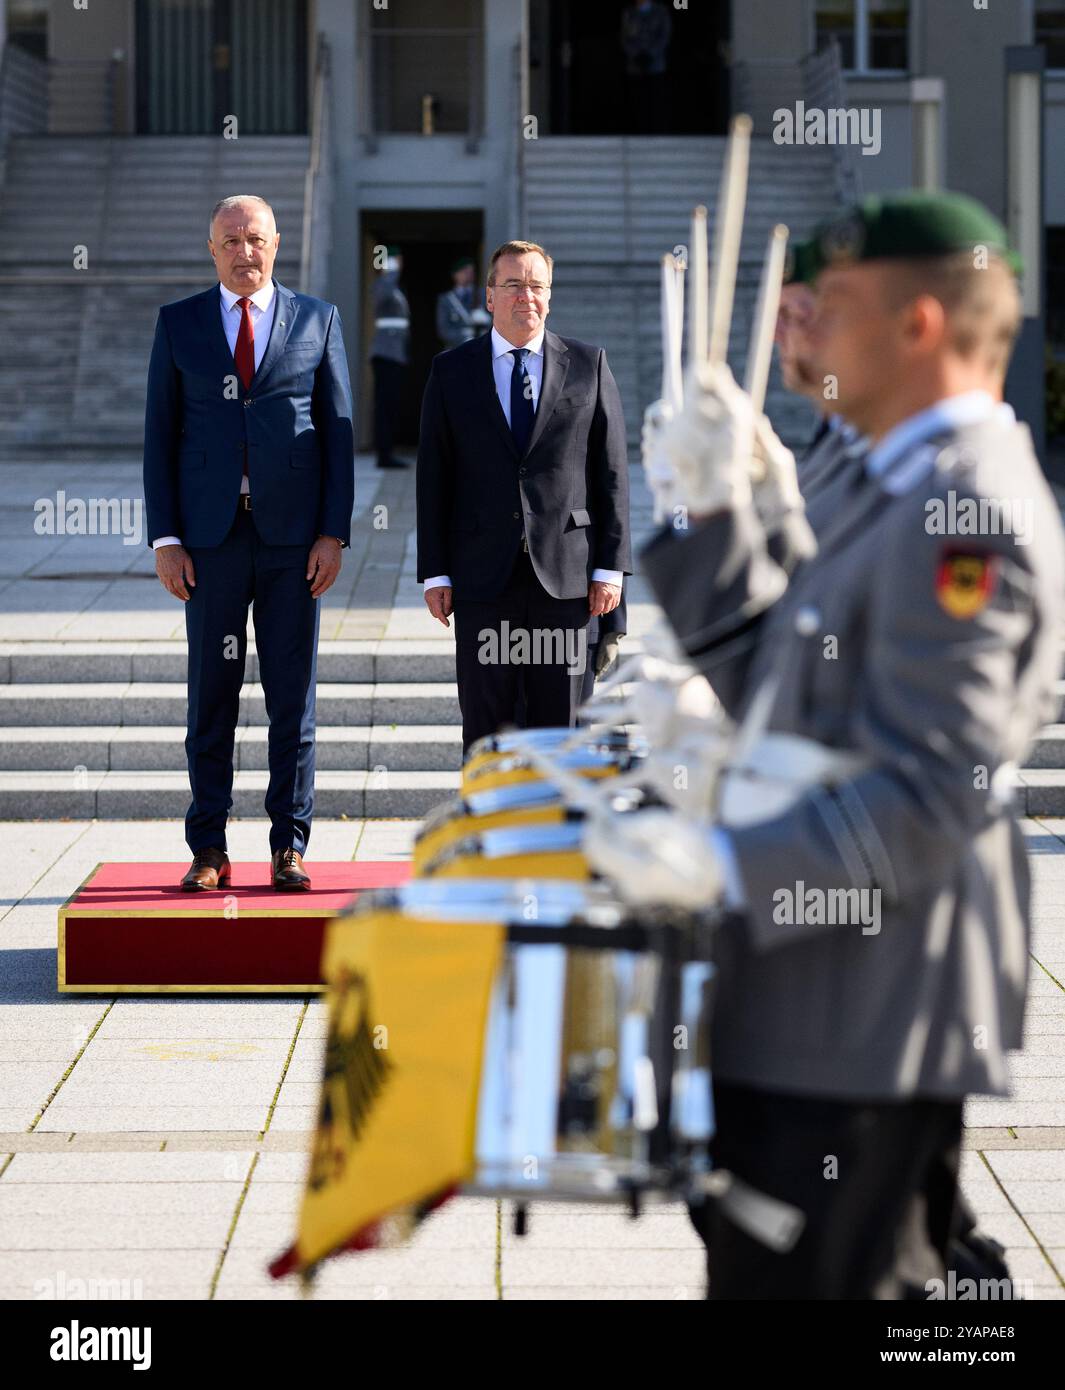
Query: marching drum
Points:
[523, 796]
[594, 1081]
[536, 851]
[506, 759]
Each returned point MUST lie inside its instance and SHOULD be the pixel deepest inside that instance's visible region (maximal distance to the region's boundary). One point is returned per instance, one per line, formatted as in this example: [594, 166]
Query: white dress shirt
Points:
[263, 308]
[502, 370]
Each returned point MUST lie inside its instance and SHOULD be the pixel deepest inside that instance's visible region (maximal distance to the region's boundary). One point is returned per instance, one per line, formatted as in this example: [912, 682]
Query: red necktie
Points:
[244, 355]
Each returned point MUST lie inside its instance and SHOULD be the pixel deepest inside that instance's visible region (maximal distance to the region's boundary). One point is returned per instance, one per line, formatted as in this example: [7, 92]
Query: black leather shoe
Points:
[209, 869]
[392, 463]
[287, 872]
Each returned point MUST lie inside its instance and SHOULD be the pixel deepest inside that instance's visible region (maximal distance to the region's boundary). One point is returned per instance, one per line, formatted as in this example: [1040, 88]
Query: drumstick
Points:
[672, 332]
[728, 229]
[666, 310]
[698, 300]
[763, 325]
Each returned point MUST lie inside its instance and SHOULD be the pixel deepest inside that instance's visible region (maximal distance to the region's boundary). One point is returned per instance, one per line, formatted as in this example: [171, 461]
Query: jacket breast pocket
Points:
[575, 401]
[191, 459]
[298, 363]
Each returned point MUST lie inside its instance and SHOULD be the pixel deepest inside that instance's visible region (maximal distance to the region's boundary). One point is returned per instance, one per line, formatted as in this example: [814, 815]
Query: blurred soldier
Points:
[458, 316]
[875, 972]
[645, 32]
[389, 355]
[834, 442]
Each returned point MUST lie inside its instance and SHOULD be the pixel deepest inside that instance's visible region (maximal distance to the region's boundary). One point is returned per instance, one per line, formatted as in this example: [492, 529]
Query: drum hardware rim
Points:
[518, 796]
[573, 760]
[492, 844]
[447, 812]
[621, 737]
[591, 904]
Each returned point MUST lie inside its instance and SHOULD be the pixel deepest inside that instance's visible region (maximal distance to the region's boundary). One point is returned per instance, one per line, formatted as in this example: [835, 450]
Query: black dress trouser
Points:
[877, 1182]
[505, 679]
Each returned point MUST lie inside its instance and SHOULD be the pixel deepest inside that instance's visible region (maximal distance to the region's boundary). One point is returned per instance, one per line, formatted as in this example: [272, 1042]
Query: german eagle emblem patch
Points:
[965, 582]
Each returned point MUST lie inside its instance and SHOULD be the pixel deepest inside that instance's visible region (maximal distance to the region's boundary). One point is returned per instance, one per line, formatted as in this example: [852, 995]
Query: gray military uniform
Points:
[870, 658]
[454, 320]
[391, 337]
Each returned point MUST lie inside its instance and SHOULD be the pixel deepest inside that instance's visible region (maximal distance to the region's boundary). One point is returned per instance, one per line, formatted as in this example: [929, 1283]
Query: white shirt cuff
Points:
[165, 540]
[607, 577]
[721, 844]
[438, 581]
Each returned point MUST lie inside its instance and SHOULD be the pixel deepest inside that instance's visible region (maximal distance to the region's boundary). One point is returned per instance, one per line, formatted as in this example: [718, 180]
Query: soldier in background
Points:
[646, 27]
[389, 356]
[458, 315]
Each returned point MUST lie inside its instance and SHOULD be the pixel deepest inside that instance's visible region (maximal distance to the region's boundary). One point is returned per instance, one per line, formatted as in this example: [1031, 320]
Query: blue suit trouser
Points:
[245, 571]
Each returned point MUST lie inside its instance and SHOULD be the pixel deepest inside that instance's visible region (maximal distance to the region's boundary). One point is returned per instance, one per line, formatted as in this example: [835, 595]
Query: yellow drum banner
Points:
[408, 1002]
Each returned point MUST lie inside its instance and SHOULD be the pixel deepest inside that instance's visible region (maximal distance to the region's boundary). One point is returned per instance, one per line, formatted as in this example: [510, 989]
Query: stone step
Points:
[144, 704]
[165, 795]
[340, 748]
[78, 794]
[1042, 791]
[367, 661]
[1048, 750]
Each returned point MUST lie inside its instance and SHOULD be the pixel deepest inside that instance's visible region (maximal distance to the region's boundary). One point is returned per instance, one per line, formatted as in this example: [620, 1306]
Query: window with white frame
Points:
[873, 35]
[1050, 31]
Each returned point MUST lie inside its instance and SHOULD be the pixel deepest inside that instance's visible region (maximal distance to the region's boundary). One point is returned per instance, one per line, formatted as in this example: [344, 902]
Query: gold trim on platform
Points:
[151, 912]
[192, 989]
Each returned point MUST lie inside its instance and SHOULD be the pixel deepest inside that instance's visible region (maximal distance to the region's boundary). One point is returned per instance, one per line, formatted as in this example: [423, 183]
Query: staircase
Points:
[140, 209]
[96, 729]
[609, 208]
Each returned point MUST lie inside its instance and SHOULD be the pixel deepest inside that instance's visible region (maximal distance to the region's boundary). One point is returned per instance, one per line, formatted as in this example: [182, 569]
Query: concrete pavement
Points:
[155, 1148]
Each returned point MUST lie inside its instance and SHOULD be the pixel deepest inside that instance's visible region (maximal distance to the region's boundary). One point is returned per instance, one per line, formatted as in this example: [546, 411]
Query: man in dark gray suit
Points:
[523, 503]
[875, 972]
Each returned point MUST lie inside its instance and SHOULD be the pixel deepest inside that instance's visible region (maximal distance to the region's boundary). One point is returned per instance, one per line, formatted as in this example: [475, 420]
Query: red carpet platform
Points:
[130, 930]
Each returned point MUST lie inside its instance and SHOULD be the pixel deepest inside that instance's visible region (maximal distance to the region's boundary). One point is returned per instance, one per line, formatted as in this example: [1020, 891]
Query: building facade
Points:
[421, 113]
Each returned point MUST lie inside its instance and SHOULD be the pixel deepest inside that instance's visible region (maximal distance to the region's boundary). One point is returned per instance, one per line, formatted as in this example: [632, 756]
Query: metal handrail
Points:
[822, 74]
[310, 182]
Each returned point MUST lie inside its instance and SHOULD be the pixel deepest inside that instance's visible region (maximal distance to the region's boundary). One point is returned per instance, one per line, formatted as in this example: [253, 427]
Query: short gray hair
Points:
[236, 200]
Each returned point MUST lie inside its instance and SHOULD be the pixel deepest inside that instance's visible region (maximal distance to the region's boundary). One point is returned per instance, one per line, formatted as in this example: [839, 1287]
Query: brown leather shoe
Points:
[286, 869]
[209, 869]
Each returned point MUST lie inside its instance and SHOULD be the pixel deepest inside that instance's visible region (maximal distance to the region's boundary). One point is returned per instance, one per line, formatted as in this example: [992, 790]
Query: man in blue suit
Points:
[249, 485]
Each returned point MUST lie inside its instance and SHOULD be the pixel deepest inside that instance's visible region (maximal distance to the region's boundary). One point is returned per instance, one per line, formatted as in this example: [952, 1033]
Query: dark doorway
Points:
[591, 93]
[201, 61]
[430, 241]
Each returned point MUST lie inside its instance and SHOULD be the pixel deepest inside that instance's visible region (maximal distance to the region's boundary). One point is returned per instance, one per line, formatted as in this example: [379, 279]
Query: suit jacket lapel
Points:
[556, 365]
[214, 335]
[285, 312]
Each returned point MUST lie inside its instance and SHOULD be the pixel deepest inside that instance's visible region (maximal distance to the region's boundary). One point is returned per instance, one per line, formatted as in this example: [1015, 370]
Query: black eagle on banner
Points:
[355, 1073]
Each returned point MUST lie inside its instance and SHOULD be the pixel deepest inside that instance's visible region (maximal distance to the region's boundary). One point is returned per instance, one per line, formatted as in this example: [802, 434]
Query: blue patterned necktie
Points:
[522, 411]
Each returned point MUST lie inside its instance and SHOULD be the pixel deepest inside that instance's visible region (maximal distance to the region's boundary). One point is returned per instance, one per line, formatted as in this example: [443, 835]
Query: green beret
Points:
[461, 263]
[394, 251]
[800, 265]
[912, 224]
